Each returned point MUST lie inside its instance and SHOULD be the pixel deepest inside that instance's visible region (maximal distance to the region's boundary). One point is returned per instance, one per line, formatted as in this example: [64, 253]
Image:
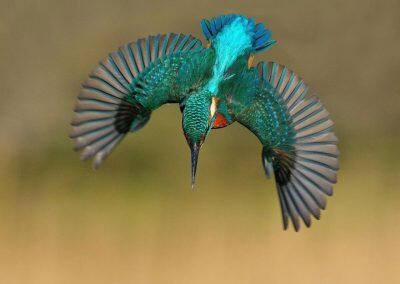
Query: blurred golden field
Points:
[135, 220]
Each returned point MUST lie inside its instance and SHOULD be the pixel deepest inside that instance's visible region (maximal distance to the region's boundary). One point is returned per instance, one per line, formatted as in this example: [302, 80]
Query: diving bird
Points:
[215, 86]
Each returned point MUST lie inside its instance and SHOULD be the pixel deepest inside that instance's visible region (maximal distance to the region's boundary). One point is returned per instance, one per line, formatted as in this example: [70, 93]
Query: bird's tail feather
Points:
[261, 37]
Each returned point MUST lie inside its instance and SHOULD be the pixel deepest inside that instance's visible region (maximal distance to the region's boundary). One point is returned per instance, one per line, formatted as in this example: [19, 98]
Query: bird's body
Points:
[215, 87]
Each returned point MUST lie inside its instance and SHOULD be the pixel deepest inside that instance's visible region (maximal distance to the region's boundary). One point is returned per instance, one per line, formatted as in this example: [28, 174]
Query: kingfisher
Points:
[215, 85]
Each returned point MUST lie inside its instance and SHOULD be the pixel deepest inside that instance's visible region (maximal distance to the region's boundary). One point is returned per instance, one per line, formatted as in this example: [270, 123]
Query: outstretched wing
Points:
[127, 85]
[298, 143]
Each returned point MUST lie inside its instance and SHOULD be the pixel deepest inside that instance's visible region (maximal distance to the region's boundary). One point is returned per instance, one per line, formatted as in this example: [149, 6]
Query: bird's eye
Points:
[202, 139]
[181, 107]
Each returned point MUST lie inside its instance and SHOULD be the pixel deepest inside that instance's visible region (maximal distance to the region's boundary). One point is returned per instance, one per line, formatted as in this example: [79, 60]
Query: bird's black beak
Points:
[194, 149]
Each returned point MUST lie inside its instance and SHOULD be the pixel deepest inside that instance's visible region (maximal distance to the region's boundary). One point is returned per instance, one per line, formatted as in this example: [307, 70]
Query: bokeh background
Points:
[136, 220]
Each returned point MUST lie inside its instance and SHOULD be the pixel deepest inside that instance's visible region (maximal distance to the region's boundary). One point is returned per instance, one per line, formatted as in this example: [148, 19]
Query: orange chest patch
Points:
[220, 121]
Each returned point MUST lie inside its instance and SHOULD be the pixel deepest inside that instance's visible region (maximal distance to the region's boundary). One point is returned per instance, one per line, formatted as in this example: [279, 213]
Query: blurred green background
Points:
[136, 220]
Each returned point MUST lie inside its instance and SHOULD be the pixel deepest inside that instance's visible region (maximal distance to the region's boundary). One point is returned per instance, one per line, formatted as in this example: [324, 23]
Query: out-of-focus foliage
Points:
[136, 220]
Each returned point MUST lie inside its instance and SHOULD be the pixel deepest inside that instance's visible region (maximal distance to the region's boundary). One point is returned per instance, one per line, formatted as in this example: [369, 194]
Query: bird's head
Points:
[197, 120]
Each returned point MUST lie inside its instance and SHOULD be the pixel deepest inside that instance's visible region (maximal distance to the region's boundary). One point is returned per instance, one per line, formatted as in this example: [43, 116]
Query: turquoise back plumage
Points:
[260, 36]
